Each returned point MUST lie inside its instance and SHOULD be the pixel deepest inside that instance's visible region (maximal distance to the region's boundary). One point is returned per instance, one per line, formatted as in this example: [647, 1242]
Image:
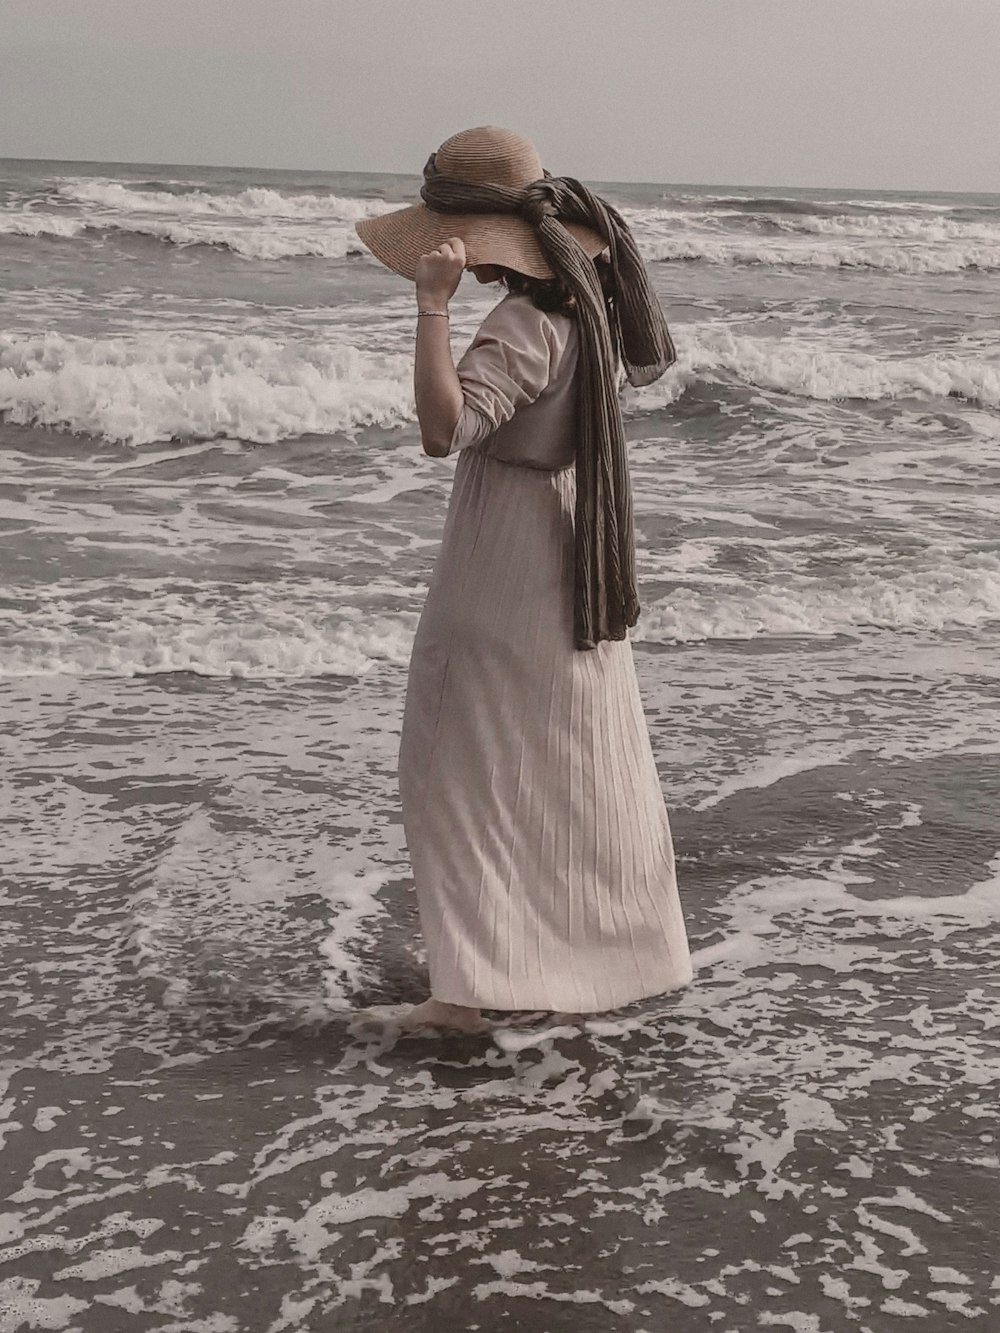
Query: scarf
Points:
[628, 328]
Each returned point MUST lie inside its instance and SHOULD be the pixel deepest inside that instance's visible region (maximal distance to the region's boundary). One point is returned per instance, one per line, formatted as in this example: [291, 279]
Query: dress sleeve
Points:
[506, 366]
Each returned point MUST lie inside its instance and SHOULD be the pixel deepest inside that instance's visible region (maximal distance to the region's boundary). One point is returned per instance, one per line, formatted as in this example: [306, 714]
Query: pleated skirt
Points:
[534, 819]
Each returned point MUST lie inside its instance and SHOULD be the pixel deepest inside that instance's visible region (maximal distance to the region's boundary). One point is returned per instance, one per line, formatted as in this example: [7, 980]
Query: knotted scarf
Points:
[628, 327]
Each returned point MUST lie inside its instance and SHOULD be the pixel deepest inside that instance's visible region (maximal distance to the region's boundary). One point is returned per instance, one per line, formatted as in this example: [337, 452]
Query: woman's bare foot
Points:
[436, 1014]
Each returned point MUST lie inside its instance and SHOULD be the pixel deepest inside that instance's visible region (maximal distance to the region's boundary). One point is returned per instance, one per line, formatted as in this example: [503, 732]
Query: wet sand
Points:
[199, 1135]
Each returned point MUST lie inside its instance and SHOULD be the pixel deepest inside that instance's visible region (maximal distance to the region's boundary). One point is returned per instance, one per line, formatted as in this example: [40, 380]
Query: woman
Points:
[532, 809]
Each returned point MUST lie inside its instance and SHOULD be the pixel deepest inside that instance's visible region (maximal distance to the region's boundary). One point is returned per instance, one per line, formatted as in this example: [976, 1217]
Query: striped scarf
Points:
[629, 328]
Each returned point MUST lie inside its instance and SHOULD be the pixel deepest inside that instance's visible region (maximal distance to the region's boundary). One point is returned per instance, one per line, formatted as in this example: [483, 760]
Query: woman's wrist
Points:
[432, 303]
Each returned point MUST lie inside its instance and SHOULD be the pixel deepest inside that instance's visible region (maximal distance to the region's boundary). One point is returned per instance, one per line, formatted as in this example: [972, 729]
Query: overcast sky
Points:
[897, 94]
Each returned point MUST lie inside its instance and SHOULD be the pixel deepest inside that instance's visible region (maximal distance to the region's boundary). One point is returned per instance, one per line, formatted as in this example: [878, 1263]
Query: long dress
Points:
[532, 810]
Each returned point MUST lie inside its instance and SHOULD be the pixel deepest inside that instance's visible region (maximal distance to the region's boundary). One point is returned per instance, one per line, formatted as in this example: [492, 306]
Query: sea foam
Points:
[29, 223]
[953, 593]
[809, 369]
[276, 630]
[173, 386]
[952, 256]
[265, 632]
[260, 240]
[157, 387]
[263, 223]
[255, 202]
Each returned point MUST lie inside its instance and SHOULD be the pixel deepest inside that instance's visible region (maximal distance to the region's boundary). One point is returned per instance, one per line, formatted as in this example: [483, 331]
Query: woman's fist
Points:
[439, 272]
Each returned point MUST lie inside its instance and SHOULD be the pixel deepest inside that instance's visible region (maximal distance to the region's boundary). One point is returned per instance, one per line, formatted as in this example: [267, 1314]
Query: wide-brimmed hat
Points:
[485, 155]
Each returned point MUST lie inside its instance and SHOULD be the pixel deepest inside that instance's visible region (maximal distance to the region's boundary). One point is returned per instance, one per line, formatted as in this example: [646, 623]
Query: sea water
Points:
[216, 530]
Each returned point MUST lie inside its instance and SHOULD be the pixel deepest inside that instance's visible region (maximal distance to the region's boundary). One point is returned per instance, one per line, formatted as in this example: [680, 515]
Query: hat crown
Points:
[489, 155]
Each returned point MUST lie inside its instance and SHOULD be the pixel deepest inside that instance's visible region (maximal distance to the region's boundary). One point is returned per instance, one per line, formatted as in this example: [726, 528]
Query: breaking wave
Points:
[156, 387]
[263, 223]
[955, 593]
[255, 202]
[251, 241]
[274, 630]
[952, 256]
[163, 386]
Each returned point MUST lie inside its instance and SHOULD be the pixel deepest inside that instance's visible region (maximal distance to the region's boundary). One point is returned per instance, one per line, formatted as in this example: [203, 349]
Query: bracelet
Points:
[442, 313]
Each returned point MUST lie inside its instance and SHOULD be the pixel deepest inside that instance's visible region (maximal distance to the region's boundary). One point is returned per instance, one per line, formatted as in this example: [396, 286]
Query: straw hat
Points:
[486, 155]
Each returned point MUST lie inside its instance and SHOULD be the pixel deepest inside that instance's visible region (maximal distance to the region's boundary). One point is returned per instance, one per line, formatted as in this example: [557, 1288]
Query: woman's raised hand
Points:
[439, 272]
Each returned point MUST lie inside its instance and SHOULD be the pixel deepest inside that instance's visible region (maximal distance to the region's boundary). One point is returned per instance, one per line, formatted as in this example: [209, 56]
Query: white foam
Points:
[255, 202]
[904, 1309]
[46, 1117]
[807, 368]
[311, 628]
[756, 906]
[273, 239]
[509, 1039]
[889, 258]
[922, 228]
[257, 223]
[951, 592]
[310, 1233]
[354, 897]
[767, 772]
[40, 224]
[262, 223]
[958, 1301]
[161, 386]
[902, 241]
[952, 1275]
[252, 242]
[541, 1291]
[228, 887]
[115, 1260]
[23, 1307]
[165, 386]
[861, 201]
[268, 631]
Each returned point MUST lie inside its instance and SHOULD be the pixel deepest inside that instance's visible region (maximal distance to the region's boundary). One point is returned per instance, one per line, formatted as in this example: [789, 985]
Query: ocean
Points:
[216, 530]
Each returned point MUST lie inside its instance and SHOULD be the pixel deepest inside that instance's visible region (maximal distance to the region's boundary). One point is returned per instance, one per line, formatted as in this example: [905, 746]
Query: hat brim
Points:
[399, 238]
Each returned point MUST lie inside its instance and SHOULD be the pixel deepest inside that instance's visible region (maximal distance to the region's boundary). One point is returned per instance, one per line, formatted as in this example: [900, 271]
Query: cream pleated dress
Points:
[532, 808]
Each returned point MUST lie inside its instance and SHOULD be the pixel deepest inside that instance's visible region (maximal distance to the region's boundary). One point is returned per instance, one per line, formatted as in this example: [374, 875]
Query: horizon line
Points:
[406, 175]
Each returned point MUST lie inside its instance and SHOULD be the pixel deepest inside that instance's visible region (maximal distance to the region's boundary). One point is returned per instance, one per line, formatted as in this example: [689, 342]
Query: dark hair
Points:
[552, 294]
